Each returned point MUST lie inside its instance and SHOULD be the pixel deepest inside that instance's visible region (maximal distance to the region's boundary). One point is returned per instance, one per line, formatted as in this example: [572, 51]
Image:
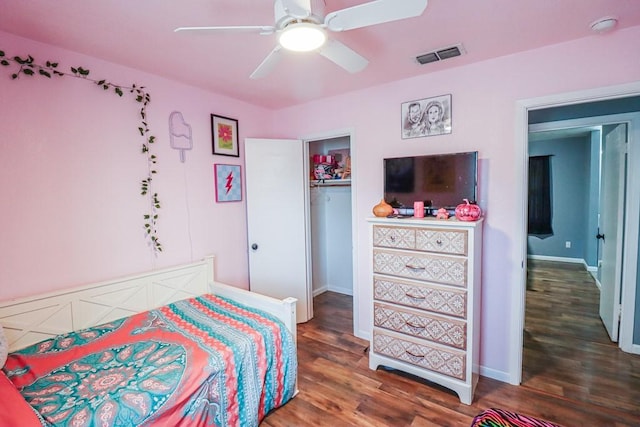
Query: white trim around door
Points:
[350, 132]
[521, 159]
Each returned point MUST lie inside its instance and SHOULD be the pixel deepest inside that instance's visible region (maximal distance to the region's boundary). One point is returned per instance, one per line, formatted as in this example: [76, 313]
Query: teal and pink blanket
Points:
[206, 361]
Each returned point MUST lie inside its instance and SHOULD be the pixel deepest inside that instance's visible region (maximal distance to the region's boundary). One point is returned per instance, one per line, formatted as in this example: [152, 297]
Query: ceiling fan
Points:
[302, 28]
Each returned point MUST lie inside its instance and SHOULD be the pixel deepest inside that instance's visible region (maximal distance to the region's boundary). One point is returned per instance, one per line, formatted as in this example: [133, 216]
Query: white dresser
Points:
[426, 300]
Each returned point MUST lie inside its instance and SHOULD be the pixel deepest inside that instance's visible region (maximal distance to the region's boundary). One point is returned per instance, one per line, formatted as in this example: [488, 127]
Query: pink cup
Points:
[418, 209]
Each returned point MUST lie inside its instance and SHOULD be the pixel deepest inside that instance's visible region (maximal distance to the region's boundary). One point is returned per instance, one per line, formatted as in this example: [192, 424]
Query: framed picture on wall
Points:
[228, 182]
[224, 136]
[426, 117]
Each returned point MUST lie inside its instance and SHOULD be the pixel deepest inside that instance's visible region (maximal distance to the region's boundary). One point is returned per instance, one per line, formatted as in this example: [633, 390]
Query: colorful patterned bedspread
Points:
[205, 361]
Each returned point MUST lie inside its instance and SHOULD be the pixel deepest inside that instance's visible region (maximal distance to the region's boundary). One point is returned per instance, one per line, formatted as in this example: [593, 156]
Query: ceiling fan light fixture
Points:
[302, 37]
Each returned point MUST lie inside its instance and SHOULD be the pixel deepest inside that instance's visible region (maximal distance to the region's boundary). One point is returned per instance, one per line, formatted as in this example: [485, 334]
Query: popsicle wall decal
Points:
[180, 137]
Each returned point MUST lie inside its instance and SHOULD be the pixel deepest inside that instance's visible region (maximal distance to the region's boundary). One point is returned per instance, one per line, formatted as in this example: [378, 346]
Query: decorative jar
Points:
[382, 209]
[468, 212]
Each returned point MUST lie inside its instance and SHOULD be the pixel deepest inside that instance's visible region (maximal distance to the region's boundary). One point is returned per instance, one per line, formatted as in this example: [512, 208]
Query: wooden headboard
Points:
[32, 319]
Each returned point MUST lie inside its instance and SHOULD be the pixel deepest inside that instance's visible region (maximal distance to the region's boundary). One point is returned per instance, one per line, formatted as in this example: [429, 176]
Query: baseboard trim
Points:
[563, 259]
[494, 374]
[557, 258]
[598, 284]
[344, 291]
[320, 290]
[337, 289]
[365, 335]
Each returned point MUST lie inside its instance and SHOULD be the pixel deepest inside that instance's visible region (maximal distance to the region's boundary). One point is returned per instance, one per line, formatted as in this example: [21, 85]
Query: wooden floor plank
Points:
[572, 374]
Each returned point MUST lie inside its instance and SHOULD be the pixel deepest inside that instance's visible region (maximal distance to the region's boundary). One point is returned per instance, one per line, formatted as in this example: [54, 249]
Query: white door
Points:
[612, 227]
[277, 221]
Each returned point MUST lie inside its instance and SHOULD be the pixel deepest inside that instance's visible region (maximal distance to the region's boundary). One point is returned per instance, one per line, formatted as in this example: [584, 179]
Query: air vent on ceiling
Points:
[441, 54]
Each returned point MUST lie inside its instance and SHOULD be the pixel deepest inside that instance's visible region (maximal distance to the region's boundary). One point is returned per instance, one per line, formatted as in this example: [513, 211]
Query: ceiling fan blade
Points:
[267, 64]
[372, 13]
[343, 56]
[262, 29]
[297, 8]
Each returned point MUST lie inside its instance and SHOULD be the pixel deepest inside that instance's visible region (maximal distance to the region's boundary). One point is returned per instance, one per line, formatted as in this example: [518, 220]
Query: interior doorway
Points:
[590, 184]
[279, 231]
[630, 257]
[587, 176]
[330, 214]
[580, 188]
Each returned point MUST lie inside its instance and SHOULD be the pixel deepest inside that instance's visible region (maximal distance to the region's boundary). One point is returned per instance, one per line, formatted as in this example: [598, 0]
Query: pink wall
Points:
[70, 166]
[484, 106]
[70, 170]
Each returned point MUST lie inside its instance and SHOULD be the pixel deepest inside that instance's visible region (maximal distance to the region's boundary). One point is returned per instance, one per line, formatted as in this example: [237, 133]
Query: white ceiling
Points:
[139, 34]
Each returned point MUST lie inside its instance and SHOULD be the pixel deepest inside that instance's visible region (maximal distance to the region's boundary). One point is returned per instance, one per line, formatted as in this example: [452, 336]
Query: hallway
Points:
[567, 351]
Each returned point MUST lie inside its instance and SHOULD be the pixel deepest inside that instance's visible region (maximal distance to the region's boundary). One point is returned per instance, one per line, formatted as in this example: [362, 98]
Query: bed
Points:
[170, 347]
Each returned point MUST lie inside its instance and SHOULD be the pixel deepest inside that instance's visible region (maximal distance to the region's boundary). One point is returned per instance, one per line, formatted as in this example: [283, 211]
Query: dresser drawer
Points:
[394, 237]
[434, 240]
[452, 242]
[441, 330]
[420, 353]
[452, 302]
[415, 265]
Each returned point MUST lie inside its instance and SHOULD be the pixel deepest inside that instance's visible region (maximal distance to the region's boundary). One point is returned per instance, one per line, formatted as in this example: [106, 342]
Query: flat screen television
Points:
[440, 181]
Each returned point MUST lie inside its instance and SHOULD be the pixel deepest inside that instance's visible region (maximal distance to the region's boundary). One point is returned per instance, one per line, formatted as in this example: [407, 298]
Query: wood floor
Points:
[572, 375]
[567, 350]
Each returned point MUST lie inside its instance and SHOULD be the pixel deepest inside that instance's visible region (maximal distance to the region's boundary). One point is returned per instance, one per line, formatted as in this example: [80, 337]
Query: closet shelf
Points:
[330, 182]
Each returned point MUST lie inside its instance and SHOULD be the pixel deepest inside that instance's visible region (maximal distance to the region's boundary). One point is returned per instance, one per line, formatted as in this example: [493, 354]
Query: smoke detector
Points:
[604, 25]
[440, 54]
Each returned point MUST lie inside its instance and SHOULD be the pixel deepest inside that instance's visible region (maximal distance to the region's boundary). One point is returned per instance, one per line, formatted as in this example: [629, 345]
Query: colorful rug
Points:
[500, 418]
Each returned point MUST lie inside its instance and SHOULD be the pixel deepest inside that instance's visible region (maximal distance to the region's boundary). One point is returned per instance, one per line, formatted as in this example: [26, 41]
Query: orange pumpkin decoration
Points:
[468, 212]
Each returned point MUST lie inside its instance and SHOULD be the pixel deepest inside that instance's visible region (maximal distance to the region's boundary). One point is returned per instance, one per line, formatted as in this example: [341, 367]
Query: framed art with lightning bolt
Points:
[228, 183]
[224, 136]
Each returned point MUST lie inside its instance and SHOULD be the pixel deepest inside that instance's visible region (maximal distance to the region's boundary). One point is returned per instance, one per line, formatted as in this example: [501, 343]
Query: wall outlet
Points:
[567, 244]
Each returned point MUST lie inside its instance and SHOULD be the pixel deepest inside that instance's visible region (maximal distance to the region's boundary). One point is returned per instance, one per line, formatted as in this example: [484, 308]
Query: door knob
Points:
[254, 246]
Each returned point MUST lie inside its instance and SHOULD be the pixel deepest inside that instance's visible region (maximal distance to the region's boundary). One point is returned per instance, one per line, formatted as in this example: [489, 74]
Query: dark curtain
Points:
[540, 196]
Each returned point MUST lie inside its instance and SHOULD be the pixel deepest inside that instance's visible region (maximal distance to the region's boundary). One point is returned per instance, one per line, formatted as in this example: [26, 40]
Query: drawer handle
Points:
[414, 296]
[417, 356]
[392, 238]
[439, 242]
[411, 325]
[414, 268]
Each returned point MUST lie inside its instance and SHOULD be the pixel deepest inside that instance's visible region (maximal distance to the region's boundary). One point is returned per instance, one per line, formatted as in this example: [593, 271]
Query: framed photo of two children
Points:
[426, 117]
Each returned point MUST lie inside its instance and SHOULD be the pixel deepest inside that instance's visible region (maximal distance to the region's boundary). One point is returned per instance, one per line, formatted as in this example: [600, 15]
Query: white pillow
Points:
[4, 347]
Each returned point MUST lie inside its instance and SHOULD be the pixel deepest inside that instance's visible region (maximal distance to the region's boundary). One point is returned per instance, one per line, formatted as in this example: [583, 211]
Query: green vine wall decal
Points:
[28, 67]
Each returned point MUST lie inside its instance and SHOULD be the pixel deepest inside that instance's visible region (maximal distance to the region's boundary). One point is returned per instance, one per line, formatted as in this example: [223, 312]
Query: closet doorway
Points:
[330, 214]
[292, 251]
